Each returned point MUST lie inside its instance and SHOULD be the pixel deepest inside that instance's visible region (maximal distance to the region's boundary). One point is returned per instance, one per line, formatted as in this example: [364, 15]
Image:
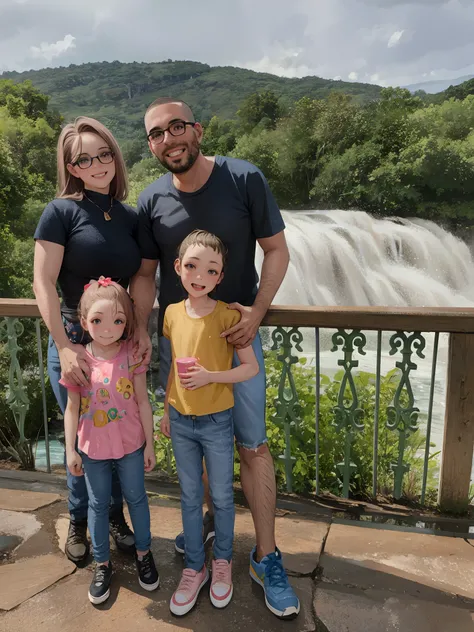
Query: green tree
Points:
[260, 108]
[219, 137]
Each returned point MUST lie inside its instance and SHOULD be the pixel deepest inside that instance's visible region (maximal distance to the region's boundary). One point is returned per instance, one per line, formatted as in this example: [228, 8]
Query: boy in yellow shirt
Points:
[198, 414]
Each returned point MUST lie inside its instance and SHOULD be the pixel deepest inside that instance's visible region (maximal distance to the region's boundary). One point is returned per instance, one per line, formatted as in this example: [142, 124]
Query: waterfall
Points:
[351, 258]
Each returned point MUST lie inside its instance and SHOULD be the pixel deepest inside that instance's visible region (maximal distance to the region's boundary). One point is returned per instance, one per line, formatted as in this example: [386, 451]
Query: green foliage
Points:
[142, 174]
[460, 91]
[219, 137]
[259, 109]
[118, 93]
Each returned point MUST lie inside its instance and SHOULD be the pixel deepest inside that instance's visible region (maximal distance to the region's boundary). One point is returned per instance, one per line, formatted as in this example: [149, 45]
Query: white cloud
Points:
[395, 38]
[328, 38]
[50, 51]
[353, 76]
[279, 61]
[337, 78]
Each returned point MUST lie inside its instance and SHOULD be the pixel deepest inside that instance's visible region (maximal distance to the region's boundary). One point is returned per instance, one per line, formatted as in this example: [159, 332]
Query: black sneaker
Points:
[99, 590]
[77, 544]
[121, 532]
[148, 577]
[208, 533]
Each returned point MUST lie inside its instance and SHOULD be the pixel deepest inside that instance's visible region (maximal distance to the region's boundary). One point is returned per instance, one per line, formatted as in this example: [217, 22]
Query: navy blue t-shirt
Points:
[92, 245]
[235, 204]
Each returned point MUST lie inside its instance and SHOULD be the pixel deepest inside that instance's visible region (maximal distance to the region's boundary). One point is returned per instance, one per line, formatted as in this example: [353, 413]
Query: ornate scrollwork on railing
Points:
[348, 417]
[286, 404]
[10, 330]
[402, 414]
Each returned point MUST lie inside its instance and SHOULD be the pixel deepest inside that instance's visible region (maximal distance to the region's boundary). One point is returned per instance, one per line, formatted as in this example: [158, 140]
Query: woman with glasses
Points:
[85, 233]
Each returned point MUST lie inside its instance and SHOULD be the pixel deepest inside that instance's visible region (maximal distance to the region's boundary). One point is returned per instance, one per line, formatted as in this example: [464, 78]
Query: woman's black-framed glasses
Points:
[176, 128]
[84, 162]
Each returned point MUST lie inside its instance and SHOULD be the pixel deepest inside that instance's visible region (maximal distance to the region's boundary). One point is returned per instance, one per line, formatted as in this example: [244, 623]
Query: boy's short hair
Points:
[203, 238]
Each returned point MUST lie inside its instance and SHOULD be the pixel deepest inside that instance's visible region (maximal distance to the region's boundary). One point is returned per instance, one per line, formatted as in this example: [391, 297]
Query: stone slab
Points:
[64, 607]
[339, 609]
[20, 500]
[407, 562]
[300, 540]
[18, 524]
[26, 578]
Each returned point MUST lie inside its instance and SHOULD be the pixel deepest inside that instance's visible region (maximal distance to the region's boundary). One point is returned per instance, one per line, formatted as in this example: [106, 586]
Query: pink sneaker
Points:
[221, 585]
[185, 596]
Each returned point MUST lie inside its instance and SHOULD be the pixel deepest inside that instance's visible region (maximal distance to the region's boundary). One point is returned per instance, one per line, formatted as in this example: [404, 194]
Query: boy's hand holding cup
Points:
[191, 374]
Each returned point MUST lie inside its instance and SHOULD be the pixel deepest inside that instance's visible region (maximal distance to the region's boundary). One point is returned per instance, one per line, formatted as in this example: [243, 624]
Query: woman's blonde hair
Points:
[110, 291]
[69, 150]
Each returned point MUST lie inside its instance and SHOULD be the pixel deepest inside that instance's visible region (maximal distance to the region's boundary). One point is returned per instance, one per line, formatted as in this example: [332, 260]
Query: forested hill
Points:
[117, 93]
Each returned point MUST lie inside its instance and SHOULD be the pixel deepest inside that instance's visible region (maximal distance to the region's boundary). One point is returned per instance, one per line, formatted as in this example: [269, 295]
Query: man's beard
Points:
[193, 153]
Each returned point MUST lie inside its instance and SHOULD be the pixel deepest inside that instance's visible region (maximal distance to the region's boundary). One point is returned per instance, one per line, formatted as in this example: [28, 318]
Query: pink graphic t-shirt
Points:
[109, 420]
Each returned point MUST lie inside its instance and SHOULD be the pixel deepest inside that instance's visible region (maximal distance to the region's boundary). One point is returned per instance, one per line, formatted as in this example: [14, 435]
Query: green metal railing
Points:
[11, 331]
[407, 344]
[402, 414]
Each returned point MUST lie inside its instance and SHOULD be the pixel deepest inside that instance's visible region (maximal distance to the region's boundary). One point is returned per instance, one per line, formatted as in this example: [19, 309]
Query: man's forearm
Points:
[274, 267]
[143, 293]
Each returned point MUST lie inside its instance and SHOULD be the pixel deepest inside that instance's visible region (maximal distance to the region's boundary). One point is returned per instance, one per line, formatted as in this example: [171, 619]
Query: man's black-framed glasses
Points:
[84, 162]
[176, 128]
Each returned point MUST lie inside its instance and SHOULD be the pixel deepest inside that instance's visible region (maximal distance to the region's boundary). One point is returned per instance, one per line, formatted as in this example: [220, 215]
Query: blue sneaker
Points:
[208, 533]
[271, 576]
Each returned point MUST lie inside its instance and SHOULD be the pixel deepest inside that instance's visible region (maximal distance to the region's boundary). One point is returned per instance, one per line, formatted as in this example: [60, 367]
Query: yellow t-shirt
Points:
[200, 338]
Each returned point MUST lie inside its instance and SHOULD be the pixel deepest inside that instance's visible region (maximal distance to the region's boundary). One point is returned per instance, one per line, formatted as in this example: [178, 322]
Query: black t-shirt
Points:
[235, 204]
[92, 245]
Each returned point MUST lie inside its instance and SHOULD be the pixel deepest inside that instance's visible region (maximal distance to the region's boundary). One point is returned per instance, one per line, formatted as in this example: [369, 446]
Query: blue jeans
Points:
[98, 477]
[249, 397]
[77, 500]
[211, 437]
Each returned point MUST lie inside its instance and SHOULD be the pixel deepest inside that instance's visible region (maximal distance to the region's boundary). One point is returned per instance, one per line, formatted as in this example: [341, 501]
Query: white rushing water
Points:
[350, 258]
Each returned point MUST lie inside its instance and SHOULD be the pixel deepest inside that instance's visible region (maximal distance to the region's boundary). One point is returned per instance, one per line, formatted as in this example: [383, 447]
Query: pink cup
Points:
[183, 364]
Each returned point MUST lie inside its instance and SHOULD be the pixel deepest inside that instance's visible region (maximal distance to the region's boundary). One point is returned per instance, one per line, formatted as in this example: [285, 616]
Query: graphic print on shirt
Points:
[125, 387]
[100, 418]
[113, 414]
[103, 396]
[85, 406]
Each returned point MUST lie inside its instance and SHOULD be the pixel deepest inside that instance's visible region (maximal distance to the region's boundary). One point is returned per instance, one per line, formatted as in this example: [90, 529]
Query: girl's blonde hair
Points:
[110, 291]
[69, 150]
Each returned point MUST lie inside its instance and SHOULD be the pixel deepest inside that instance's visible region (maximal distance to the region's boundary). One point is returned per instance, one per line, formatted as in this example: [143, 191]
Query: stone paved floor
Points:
[349, 578]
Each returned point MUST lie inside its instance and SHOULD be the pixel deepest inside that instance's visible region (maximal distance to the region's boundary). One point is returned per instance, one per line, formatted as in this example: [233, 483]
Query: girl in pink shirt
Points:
[111, 421]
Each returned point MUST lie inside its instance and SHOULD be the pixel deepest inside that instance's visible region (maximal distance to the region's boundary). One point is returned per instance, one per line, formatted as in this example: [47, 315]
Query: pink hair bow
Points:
[103, 281]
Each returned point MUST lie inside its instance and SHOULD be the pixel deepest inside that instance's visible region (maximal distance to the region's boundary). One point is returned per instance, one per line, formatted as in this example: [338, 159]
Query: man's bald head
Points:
[186, 110]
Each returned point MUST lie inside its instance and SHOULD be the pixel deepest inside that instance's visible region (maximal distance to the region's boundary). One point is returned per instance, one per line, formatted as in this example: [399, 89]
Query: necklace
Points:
[107, 216]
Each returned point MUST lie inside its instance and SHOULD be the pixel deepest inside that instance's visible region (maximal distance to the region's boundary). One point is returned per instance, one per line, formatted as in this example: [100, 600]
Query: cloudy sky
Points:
[390, 42]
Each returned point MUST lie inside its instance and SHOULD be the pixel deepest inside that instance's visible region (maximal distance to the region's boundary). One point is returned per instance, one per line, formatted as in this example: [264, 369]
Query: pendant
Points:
[107, 216]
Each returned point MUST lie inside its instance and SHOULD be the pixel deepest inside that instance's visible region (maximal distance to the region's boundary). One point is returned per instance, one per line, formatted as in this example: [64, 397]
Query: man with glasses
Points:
[230, 198]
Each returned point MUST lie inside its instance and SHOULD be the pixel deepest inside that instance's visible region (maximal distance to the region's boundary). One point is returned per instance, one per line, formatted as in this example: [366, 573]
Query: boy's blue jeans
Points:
[77, 499]
[211, 437]
[98, 478]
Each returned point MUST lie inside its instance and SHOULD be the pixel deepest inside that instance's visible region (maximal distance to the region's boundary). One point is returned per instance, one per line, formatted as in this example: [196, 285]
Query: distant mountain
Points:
[433, 87]
[118, 93]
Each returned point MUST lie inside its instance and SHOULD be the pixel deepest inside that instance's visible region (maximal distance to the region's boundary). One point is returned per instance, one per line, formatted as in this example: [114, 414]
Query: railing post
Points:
[459, 425]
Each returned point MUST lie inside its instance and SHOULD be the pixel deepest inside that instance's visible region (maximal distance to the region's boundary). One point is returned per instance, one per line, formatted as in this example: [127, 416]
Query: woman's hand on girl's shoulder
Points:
[74, 367]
